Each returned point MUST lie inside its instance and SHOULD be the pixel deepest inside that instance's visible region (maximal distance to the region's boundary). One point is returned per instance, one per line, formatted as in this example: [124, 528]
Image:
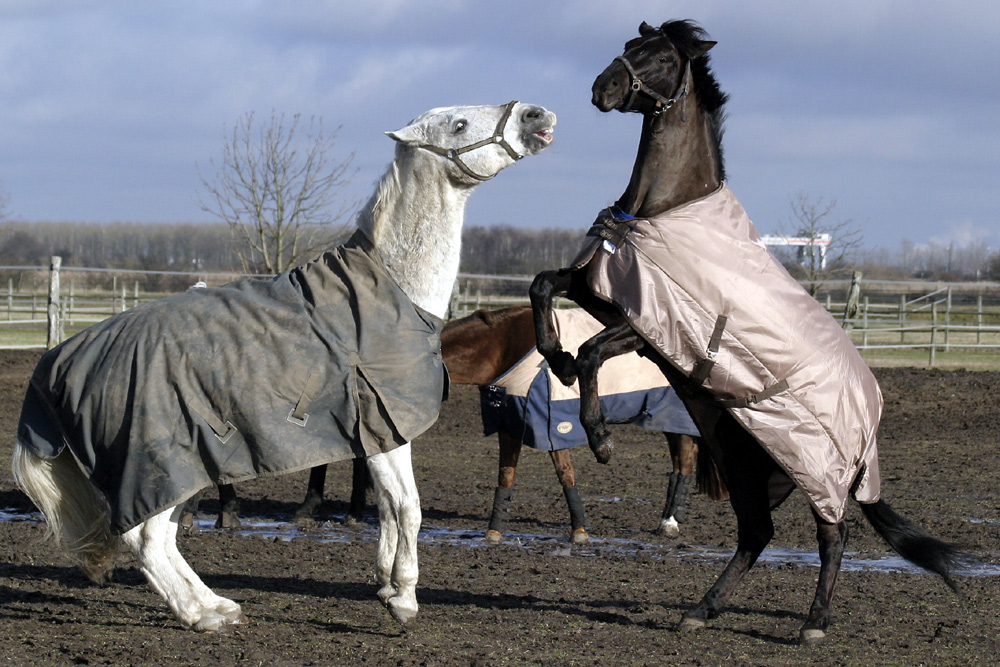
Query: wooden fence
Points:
[45, 304]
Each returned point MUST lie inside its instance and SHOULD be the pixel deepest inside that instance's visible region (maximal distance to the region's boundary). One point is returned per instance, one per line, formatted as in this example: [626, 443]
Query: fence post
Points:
[902, 319]
[851, 309]
[10, 298]
[55, 322]
[947, 322]
[979, 319]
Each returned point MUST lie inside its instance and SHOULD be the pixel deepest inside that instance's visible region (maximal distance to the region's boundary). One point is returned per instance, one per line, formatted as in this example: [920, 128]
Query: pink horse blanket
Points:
[699, 284]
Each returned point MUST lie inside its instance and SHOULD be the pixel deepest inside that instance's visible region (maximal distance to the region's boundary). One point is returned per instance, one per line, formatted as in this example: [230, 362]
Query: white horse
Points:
[414, 221]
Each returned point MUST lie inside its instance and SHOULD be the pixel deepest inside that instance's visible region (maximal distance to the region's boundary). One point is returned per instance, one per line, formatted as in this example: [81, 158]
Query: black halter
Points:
[662, 103]
[497, 138]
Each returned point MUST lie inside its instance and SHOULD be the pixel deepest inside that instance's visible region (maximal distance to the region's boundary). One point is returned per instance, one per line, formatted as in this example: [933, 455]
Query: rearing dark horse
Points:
[664, 75]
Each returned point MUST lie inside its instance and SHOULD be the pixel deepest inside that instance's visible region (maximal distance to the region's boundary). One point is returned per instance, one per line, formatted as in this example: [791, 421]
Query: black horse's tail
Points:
[912, 542]
[709, 478]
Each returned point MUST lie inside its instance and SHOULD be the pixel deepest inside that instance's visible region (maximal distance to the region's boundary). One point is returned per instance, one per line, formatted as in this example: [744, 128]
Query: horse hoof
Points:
[403, 613]
[689, 624]
[493, 537]
[811, 637]
[564, 367]
[218, 623]
[669, 528]
[603, 452]
[228, 520]
[579, 536]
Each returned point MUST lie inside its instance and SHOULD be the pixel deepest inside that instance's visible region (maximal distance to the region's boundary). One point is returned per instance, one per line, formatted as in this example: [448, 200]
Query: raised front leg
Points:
[832, 538]
[613, 341]
[399, 523]
[546, 286]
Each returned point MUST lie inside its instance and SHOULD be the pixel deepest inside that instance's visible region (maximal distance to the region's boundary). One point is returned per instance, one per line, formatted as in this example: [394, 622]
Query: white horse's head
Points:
[479, 141]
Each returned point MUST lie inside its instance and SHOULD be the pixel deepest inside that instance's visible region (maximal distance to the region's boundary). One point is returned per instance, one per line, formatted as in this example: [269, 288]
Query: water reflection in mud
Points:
[336, 531]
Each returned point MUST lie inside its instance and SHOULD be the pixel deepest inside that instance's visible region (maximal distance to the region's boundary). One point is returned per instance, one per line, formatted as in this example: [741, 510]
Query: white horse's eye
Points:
[460, 126]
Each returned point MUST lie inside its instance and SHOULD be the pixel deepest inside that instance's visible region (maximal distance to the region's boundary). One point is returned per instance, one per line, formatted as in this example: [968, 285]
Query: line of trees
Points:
[502, 250]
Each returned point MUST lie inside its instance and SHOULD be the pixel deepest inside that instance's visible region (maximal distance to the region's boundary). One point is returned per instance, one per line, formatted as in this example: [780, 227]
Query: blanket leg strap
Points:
[298, 414]
[700, 373]
[747, 401]
[223, 430]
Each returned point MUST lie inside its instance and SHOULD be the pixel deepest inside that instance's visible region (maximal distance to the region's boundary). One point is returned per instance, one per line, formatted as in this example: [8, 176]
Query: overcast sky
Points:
[889, 108]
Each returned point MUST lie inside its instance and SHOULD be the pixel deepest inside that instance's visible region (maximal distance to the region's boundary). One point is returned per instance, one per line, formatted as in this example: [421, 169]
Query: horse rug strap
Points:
[778, 362]
[325, 362]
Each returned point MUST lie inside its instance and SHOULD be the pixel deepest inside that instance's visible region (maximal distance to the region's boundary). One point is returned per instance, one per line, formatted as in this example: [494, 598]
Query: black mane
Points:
[686, 35]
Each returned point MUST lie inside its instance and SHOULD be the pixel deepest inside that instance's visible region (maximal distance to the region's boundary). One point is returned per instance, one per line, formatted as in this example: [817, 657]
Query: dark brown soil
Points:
[538, 601]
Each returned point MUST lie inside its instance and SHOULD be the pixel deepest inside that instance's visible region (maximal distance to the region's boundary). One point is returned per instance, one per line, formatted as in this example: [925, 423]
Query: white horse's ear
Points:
[411, 134]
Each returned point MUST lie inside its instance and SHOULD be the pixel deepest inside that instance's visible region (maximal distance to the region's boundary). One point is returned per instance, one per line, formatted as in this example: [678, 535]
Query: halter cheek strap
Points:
[662, 103]
[454, 154]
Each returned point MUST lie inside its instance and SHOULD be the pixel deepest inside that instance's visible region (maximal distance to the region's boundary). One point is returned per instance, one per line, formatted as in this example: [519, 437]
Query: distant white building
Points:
[819, 243]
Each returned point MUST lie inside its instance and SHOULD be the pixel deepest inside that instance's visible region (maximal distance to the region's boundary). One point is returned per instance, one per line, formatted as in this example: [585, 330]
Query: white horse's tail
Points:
[76, 513]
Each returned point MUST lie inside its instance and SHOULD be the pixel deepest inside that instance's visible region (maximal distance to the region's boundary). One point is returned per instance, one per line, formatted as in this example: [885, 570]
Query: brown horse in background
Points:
[483, 346]
[477, 349]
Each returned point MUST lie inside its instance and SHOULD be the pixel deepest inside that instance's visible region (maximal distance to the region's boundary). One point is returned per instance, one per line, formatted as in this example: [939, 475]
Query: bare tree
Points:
[276, 187]
[828, 256]
[4, 203]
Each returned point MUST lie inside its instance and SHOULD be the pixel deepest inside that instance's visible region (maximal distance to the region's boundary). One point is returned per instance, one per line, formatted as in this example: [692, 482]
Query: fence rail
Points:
[43, 305]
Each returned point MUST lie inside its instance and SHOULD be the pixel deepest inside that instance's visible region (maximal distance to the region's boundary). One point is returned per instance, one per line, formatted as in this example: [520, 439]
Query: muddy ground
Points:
[534, 600]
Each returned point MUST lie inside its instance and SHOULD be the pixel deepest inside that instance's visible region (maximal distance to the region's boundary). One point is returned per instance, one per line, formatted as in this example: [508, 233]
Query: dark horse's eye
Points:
[460, 126]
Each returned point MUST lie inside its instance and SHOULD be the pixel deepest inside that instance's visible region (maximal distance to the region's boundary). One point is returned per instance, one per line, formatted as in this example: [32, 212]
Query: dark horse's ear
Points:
[699, 49]
[645, 29]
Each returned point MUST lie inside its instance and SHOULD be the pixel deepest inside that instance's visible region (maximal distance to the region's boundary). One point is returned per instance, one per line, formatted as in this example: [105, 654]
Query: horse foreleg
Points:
[613, 341]
[567, 477]
[154, 544]
[314, 493]
[510, 452]
[399, 523]
[832, 538]
[683, 452]
[544, 288]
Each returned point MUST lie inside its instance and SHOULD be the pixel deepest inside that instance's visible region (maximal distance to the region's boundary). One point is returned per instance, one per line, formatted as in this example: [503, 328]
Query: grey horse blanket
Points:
[702, 287]
[325, 362]
[529, 402]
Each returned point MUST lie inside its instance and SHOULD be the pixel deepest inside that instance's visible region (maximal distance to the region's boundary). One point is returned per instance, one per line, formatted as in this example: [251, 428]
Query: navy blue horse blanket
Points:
[529, 402]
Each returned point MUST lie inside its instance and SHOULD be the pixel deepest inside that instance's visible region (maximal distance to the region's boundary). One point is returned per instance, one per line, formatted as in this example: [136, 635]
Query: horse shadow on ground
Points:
[611, 612]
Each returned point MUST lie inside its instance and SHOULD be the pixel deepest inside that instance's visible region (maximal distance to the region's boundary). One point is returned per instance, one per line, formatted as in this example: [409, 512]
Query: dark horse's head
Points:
[657, 71]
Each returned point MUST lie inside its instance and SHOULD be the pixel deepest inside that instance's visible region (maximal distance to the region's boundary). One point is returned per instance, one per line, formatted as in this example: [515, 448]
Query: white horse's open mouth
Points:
[545, 135]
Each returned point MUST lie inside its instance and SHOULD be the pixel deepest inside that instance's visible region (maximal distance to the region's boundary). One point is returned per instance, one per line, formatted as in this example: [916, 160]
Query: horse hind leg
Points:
[750, 501]
[396, 567]
[832, 538]
[683, 450]
[154, 545]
